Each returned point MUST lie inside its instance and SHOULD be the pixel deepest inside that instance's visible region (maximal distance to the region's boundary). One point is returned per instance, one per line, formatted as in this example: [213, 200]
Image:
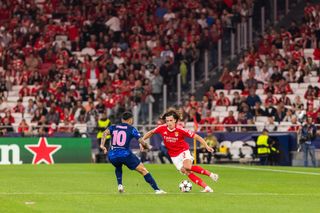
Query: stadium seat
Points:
[225, 143]
[247, 151]
[17, 117]
[13, 99]
[260, 126]
[250, 143]
[81, 127]
[189, 125]
[16, 88]
[93, 82]
[215, 114]
[61, 38]
[260, 92]
[291, 97]
[314, 73]
[232, 108]
[261, 119]
[294, 86]
[235, 153]
[283, 126]
[220, 108]
[237, 144]
[304, 85]
[308, 53]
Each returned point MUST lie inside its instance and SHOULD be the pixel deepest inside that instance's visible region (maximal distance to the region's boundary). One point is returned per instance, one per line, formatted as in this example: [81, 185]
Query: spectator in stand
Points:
[289, 115]
[6, 126]
[270, 110]
[225, 81]
[252, 98]
[3, 105]
[276, 75]
[301, 113]
[280, 113]
[194, 116]
[284, 99]
[24, 128]
[252, 82]
[19, 108]
[251, 126]
[257, 110]
[295, 126]
[31, 107]
[157, 84]
[270, 99]
[53, 115]
[211, 94]
[237, 83]
[270, 125]
[229, 120]
[236, 101]
[222, 100]
[206, 105]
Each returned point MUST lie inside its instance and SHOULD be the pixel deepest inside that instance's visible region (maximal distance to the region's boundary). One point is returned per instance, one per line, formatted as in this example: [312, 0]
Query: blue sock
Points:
[119, 175]
[149, 179]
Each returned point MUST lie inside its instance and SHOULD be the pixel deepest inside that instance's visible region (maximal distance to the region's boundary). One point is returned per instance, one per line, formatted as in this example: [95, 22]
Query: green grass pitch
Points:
[92, 188]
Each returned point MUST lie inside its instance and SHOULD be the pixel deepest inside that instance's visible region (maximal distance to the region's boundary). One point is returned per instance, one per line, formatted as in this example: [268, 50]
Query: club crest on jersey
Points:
[176, 134]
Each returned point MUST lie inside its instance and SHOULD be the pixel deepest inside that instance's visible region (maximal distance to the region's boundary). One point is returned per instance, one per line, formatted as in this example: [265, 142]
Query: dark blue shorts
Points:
[119, 157]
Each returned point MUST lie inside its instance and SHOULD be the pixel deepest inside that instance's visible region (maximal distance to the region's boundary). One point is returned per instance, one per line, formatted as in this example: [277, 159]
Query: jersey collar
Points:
[171, 130]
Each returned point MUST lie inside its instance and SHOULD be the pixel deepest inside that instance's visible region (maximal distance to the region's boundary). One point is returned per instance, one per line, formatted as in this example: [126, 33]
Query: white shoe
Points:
[214, 177]
[207, 189]
[120, 188]
[160, 191]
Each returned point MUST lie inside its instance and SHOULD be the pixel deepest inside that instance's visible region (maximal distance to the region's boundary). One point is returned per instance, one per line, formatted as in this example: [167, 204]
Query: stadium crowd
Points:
[63, 62]
[275, 83]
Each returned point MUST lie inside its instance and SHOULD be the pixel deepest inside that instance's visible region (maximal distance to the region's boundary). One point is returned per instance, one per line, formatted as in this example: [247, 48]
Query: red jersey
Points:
[174, 139]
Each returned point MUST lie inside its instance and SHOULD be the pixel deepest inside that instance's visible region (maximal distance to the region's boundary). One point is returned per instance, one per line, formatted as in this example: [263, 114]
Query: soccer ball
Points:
[185, 186]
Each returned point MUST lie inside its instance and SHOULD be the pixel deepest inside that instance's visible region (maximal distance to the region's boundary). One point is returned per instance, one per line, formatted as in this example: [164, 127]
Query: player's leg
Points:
[134, 163]
[116, 162]
[200, 170]
[183, 163]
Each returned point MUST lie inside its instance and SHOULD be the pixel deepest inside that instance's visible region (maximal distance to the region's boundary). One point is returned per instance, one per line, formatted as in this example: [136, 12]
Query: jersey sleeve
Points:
[135, 133]
[111, 128]
[187, 132]
[157, 130]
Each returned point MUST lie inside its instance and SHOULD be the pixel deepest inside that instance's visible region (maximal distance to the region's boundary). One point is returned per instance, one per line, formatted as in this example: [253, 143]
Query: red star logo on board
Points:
[42, 152]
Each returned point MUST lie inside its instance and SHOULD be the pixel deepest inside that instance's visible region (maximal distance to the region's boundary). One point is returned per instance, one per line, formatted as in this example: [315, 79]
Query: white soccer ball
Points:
[185, 186]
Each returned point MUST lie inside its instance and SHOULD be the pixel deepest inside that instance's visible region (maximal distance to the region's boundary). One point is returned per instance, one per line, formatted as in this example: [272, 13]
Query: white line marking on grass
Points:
[29, 203]
[145, 193]
[269, 170]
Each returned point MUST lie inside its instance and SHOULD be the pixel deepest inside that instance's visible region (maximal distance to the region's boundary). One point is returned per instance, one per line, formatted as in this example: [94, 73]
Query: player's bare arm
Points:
[143, 143]
[143, 139]
[103, 140]
[147, 135]
[203, 142]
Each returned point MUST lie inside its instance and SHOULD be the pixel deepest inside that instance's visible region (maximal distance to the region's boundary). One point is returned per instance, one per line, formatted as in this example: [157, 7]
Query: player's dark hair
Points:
[126, 116]
[172, 113]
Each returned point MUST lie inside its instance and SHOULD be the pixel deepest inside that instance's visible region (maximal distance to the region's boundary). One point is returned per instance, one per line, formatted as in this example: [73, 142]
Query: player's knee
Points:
[142, 170]
[187, 168]
[184, 171]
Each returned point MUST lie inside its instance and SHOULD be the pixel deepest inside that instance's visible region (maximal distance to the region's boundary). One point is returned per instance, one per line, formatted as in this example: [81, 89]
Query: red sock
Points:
[200, 170]
[194, 178]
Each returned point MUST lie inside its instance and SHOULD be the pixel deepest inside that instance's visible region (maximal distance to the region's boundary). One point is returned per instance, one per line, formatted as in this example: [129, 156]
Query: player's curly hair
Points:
[172, 113]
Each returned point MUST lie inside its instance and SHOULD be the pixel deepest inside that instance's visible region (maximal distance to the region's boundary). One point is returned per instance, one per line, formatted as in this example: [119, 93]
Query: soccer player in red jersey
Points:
[173, 137]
